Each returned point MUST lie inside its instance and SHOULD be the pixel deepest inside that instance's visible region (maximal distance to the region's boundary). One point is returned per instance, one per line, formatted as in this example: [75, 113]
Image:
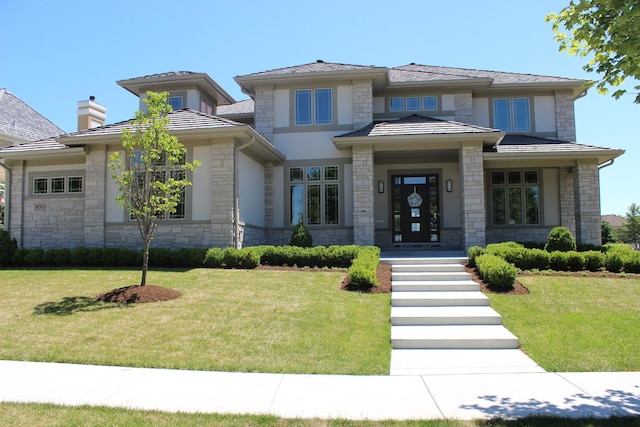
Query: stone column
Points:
[587, 190]
[472, 198]
[567, 200]
[222, 193]
[264, 111]
[362, 103]
[268, 200]
[363, 196]
[95, 189]
[464, 107]
[16, 201]
[565, 117]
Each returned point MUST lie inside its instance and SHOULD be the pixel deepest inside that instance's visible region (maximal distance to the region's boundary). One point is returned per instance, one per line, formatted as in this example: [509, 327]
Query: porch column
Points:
[363, 197]
[16, 203]
[95, 189]
[472, 198]
[268, 200]
[222, 193]
[567, 200]
[587, 191]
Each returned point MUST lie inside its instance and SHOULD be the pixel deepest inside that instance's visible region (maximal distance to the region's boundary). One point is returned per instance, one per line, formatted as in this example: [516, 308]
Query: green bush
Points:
[57, 257]
[8, 247]
[473, 253]
[249, 258]
[94, 257]
[559, 261]
[78, 256]
[213, 258]
[496, 271]
[362, 273]
[632, 263]
[614, 261]
[533, 259]
[301, 237]
[34, 258]
[511, 252]
[575, 260]
[560, 239]
[593, 260]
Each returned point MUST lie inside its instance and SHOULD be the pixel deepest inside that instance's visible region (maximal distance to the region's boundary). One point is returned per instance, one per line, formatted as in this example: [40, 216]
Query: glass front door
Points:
[416, 215]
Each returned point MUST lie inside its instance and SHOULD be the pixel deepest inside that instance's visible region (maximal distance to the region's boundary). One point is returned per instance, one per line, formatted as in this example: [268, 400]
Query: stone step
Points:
[402, 276]
[424, 261]
[453, 337]
[473, 315]
[430, 299]
[427, 268]
[435, 285]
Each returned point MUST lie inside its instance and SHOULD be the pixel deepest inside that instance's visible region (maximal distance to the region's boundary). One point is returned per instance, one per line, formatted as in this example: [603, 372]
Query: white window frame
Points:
[523, 186]
[314, 107]
[174, 98]
[48, 180]
[430, 97]
[512, 115]
[305, 179]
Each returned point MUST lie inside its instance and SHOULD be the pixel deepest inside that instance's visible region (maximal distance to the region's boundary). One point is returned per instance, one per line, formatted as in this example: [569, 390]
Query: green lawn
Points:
[226, 320]
[576, 323]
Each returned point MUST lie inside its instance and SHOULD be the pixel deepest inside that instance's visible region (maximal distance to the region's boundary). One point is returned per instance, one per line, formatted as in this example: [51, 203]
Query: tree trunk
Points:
[145, 262]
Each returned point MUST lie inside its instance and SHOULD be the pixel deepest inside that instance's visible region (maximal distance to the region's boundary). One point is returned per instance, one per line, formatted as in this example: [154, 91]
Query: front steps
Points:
[442, 322]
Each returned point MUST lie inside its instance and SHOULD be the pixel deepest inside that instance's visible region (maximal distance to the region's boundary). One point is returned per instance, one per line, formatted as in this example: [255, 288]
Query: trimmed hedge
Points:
[496, 271]
[362, 273]
[560, 239]
[473, 253]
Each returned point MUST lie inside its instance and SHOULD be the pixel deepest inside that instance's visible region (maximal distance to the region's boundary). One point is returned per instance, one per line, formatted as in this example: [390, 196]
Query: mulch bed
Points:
[139, 294]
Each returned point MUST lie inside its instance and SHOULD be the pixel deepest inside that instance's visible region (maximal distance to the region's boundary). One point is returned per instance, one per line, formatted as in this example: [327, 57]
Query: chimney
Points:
[91, 114]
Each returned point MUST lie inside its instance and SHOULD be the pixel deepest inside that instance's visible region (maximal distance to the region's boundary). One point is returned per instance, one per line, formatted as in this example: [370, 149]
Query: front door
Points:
[416, 215]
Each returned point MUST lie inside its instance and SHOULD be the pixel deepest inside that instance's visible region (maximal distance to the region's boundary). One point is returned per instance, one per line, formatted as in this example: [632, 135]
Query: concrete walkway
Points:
[325, 396]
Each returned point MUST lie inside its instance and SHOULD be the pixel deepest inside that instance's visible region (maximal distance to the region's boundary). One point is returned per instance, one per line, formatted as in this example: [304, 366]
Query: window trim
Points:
[315, 113]
[325, 181]
[404, 101]
[175, 97]
[48, 178]
[507, 186]
[512, 114]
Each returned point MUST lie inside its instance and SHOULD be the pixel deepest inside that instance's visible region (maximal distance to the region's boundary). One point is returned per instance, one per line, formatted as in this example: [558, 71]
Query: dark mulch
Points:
[518, 288]
[139, 294]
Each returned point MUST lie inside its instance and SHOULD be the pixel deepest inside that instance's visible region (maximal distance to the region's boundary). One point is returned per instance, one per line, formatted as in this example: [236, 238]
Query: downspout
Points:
[236, 201]
[7, 197]
[606, 164]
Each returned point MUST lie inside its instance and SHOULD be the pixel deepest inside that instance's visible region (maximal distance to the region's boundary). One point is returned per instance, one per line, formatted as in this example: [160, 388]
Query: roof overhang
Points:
[475, 83]
[412, 142]
[601, 155]
[43, 154]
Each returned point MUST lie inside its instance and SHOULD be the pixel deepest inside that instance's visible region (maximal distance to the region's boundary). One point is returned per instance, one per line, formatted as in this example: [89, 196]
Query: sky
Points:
[54, 54]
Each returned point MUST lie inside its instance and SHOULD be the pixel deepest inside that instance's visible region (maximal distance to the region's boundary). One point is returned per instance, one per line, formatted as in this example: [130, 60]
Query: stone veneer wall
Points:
[363, 196]
[450, 238]
[264, 116]
[54, 222]
[587, 190]
[472, 195]
[16, 205]
[222, 194]
[168, 234]
[362, 103]
[268, 200]
[321, 236]
[252, 236]
[567, 200]
[94, 196]
[464, 107]
[565, 117]
[517, 234]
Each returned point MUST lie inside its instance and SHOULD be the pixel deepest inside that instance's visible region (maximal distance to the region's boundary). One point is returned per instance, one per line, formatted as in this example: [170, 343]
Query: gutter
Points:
[7, 197]
[606, 164]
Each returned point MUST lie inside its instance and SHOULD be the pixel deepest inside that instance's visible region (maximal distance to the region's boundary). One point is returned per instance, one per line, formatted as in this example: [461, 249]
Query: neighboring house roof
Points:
[416, 125]
[614, 220]
[241, 107]
[21, 123]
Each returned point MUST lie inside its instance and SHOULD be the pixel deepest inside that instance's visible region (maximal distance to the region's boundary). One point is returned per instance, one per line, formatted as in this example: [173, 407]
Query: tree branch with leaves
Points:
[151, 175]
[609, 30]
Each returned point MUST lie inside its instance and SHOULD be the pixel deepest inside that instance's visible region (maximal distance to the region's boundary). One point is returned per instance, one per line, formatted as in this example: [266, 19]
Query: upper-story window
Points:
[206, 108]
[175, 102]
[69, 184]
[511, 114]
[413, 103]
[313, 106]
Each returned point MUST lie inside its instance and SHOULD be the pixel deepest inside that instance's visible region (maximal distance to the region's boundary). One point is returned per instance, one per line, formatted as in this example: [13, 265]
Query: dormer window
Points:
[313, 106]
[175, 102]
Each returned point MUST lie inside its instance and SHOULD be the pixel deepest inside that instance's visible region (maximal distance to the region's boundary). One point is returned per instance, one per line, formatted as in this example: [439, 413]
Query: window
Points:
[314, 195]
[175, 102]
[413, 103]
[515, 197]
[396, 104]
[206, 108]
[512, 114]
[313, 106]
[57, 184]
[429, 103]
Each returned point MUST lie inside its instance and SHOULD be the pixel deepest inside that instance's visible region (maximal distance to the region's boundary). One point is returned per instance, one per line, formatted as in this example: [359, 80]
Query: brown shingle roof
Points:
[416, 125]
[23, 122]
[314, 67]
[241, 107]
[531, 144]
[44, 144]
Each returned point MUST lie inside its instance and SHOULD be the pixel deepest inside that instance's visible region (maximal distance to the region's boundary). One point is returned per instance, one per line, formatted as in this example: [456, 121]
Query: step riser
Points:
[455, 344]
[430, 302]
[427, 321]
[403, 276]
[424, 261]
[435, 287]
[436, 268]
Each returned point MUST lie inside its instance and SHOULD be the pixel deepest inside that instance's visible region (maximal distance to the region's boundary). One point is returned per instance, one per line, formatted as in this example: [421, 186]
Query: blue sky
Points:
[53, 54]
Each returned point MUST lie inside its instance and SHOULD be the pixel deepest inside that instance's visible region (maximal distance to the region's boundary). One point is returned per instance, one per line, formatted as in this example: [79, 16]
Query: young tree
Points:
[607, 29]
[152, 173]
[632, 225]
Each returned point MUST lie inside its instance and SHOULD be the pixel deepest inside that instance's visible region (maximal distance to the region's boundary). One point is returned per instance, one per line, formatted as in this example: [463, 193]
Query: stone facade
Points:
[54, 222]
[265, 111]
[363, 196]
[16, 206]
[362, 103]
[268, 200]
[168, 234]
[94, 196]
[464, 107]
[567, 200]
[565, 117]
[587, 191]
[472, 195]
[222, 193]
[517, 234]
[321, 236]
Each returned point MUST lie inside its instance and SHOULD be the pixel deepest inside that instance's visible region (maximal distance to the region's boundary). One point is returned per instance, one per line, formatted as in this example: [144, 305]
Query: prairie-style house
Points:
[408, 156]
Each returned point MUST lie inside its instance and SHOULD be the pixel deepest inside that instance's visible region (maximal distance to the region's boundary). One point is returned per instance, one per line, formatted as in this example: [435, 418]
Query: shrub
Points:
[362, 273]
[559, 261]
[301, 236]
[496, 271]
[593, 260]
[249, 258]
[632, 263]
[231, 258]
[57, 257]
[575, 260]
[78, 256]
[511, 252]
[8, 247]
[34, 257]
[213, 258]
[473, 253]
[560, 239]
[614, 261]
[94, 257]
[533, 259]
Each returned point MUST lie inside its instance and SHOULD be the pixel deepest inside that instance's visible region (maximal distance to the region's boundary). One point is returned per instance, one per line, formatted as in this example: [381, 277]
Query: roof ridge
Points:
[479, 70]
[15, 97]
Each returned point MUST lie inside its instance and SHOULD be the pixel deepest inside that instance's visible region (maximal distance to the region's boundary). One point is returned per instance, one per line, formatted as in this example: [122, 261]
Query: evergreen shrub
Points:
[560, 239]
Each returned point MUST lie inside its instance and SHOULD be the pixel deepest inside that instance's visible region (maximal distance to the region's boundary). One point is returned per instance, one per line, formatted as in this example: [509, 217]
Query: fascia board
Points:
[602, 155]
[43, 154]
[414, 140]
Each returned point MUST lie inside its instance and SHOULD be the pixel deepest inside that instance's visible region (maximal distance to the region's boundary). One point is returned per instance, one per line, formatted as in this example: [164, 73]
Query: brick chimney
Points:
[91, 114]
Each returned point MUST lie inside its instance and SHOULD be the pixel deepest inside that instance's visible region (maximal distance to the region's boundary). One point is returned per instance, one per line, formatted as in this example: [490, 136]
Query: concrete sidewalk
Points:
[325, 396]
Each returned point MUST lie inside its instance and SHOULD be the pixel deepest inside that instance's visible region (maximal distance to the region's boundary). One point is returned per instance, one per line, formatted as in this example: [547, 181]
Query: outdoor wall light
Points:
[381, 186]
[449, 186]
